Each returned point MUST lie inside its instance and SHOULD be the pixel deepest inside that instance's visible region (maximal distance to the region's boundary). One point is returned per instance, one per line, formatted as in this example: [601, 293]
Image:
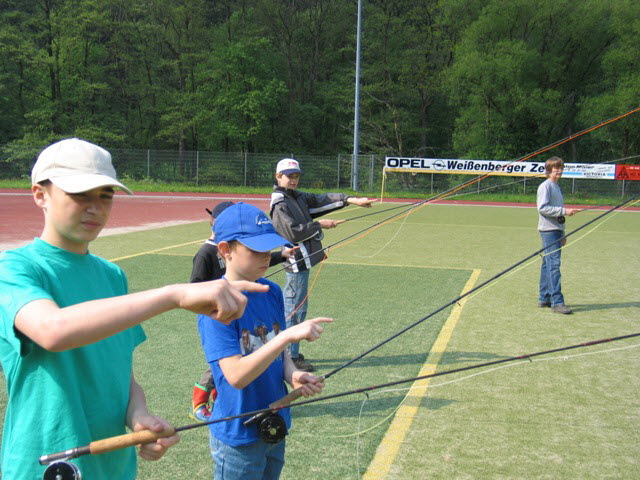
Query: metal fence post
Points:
[338, 184]
[148, 162]
[197, 166]
[245, 169]
[371, 173]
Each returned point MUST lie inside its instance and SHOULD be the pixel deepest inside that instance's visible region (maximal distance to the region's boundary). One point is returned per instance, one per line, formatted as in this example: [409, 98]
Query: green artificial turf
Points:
[572, 415]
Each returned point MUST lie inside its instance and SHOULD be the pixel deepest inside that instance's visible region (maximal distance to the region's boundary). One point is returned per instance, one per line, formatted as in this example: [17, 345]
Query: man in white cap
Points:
[295, 216]
[68, 329]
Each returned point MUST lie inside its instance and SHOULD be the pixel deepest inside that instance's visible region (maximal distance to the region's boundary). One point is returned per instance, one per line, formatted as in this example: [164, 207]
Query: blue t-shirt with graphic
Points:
[262, 320]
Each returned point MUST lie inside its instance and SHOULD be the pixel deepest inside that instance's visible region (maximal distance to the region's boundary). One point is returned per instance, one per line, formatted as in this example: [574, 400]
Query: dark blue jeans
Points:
[295, 290]
[256, 461]
[550, 290]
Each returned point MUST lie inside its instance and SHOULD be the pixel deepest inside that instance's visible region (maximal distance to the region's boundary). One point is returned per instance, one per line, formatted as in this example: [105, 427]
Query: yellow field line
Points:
[390, 445]
[154, 251]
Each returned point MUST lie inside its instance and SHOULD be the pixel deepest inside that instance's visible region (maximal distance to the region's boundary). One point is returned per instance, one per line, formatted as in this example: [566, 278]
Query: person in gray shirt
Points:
[551, 218]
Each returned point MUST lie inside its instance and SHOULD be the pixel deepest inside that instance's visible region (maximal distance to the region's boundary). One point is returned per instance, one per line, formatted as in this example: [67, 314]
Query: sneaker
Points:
[302, 365]
[544, 304]
[562, 308]
[202, 413]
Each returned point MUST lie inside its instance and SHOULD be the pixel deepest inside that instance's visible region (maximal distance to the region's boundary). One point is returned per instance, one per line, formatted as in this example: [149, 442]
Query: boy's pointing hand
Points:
[309, 330]
[219, 299]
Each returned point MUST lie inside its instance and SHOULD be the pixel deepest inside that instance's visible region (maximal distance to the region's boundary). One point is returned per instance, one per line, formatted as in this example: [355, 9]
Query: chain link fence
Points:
[325, 172]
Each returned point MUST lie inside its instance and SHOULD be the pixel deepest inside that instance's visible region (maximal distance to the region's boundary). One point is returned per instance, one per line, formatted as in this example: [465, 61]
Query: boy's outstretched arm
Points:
[58, 329]
[240, 370]
[361, 201]
[139, 418]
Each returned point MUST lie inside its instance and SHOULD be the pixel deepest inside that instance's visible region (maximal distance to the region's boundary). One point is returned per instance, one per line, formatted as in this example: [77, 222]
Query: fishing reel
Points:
[62, 470]
[271, 427]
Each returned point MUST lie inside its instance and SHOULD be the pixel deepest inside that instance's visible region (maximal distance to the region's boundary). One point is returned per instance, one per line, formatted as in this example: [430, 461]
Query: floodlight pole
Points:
[356, 123]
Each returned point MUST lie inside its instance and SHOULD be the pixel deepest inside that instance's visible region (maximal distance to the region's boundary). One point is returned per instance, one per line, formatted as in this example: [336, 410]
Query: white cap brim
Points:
[86, 182]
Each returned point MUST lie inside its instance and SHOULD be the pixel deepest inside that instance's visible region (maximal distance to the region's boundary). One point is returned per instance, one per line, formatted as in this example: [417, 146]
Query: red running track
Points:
[21, 220]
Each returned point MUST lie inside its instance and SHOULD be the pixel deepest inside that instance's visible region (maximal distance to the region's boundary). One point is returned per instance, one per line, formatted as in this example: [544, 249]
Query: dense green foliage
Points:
[444, 78]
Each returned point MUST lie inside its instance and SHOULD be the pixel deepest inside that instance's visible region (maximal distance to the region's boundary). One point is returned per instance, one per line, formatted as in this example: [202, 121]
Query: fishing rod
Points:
[485, 189]
[62, 470]
[59, 466]
[440, 196]
[295, 394]
[463, 185]
[486, 282]
[420, 202]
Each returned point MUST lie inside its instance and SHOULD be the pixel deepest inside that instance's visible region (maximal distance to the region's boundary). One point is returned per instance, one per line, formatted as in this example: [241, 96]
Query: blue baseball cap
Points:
[249, 225]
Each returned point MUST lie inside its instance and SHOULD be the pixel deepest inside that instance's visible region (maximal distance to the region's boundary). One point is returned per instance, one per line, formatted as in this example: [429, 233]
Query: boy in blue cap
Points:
[208, 265]
[247, 357]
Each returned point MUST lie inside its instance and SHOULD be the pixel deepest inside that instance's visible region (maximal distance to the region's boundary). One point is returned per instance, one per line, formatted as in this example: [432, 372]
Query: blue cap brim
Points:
[263, 243]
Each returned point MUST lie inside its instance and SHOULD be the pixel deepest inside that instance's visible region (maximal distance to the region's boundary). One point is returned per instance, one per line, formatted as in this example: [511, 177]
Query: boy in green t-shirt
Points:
[68, 329]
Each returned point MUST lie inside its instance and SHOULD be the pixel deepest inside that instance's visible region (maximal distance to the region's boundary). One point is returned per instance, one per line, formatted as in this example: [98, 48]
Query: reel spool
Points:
[62, 471]
[271, 427]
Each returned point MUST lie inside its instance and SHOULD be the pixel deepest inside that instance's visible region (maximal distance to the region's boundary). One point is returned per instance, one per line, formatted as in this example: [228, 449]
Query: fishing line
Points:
[359, 432]
[390, 240]
[491, 187]
[414, 388]
[472, 181]
[573, 242]
[457, 299]
[309, 290]
[147, 436]
[366, 397]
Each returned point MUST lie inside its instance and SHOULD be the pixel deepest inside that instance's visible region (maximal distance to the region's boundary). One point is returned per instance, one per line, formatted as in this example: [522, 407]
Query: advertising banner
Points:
[627, 172]
[495, 167]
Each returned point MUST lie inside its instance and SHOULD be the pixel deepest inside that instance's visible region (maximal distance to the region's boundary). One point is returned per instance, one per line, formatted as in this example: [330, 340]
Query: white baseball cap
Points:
[76, 166]
[288, 166]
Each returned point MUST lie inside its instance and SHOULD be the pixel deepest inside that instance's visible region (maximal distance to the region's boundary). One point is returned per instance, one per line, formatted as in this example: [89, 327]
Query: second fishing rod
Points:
[406, 209]
[295, 394]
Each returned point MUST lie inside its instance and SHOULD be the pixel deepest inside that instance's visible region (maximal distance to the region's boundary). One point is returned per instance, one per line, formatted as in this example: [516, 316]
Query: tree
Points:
[406, 47]
[521, 71]
[314, 44]
[618, 92]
